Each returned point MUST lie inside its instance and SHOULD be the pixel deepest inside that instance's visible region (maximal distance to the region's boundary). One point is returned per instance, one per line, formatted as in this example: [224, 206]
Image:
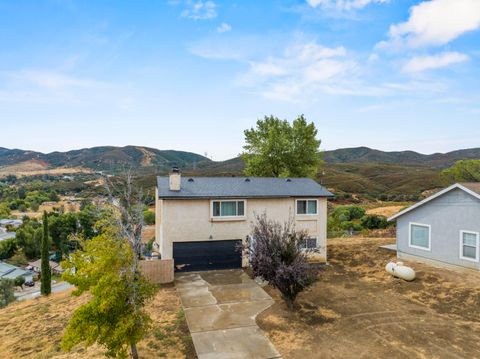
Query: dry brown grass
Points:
[386, 211]
[33, 329]
[357, 310]
[148, 233]
[68, 205]
[35, 167]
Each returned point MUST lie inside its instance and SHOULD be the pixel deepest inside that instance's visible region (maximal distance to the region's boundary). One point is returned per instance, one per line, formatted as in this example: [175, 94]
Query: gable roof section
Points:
[471, 188]
[241, 187]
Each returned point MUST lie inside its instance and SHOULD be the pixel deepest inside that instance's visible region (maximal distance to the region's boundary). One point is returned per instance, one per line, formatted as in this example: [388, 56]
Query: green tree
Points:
[46, 274]
[277, 149]
[18, 259]
[4, 210]
[106, 266]
[8, 247]
[149, 217]
[29, 237]
[61, 227]
[6, 292]
[462, 171]
[20, 281]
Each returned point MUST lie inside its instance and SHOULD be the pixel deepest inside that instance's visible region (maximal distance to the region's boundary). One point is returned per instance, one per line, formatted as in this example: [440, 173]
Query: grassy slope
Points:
[33, 329]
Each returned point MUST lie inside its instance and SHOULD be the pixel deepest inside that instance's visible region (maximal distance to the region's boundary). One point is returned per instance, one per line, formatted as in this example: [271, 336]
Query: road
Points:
[56, 288]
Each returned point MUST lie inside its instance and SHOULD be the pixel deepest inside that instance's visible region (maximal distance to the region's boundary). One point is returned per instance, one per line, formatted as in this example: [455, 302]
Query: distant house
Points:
[36, 266]
[201, 221]
[443, 228]
[8, 271]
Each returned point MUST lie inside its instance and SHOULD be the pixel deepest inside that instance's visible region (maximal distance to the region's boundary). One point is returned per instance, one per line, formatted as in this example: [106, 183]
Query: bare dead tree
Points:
[128, 200]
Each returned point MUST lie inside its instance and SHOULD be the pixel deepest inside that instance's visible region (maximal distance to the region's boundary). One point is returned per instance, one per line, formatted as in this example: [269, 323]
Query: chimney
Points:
[175, 178]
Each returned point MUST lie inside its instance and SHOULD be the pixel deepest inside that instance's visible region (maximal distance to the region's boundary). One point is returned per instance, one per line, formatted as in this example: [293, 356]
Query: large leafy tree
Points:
[107, 266]
[114, 317]
[276, 148]
[462, 171]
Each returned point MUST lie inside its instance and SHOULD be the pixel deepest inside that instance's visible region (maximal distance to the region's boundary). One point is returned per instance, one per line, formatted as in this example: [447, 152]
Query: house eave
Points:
[436, 195]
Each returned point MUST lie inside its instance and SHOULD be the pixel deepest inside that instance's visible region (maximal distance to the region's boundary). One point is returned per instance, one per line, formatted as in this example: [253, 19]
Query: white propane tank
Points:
[400, 271]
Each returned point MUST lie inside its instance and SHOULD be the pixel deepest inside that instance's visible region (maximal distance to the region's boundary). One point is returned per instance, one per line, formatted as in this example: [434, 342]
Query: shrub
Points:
[149, 217]
[276, 256]
[6, 292]
[7, 248]
[18, 259]
[20, 281]
[372, 221]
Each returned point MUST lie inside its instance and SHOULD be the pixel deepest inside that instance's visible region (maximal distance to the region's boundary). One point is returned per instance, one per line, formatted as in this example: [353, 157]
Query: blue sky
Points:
[193, 74]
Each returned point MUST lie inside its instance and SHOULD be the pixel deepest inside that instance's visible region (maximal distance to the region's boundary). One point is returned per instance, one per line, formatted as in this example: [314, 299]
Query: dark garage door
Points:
[208, 255]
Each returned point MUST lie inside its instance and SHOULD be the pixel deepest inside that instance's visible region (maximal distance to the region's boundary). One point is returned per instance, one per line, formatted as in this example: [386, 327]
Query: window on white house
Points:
[469, 245]
[307, 206]
[309, 243]
[228, 208]
[420, 236]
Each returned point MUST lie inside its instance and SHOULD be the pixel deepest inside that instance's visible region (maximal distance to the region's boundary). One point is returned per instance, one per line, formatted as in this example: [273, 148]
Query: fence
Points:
[159, 271]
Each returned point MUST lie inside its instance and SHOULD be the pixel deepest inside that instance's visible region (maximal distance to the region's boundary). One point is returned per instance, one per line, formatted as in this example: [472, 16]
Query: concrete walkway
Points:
[220, 307]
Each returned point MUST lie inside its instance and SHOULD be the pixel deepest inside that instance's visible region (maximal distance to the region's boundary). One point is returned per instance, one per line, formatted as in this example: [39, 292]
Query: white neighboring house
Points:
[201, 221]
[443, 228]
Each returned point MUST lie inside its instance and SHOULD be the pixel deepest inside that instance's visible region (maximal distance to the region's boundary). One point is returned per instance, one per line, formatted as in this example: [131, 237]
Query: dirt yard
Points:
[36, 167]
[356, 310]
[386, 211]
[33, 329]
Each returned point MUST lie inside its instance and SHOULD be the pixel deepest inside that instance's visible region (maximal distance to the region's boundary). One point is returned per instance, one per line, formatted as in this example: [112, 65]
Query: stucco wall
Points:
[190, 220]
[447, 215]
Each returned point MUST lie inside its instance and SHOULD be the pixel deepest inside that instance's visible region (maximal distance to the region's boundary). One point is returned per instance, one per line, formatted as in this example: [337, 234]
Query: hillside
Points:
[411, 158]
[106, 158]
[353, 170]
[34, 328]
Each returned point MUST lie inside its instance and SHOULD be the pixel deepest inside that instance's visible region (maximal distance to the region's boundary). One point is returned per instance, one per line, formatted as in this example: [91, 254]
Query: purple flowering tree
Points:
[277, 254]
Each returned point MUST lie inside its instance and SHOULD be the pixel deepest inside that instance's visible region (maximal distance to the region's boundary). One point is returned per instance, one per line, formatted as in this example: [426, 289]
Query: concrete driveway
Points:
[220, 308]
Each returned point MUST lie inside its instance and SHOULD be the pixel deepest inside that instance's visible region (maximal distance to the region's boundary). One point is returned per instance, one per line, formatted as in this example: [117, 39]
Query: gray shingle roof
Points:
[241, 187]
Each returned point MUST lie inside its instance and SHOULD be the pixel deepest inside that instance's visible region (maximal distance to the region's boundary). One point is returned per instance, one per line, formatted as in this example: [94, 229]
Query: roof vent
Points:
[288, 180]
[190, 180]
[247, 179]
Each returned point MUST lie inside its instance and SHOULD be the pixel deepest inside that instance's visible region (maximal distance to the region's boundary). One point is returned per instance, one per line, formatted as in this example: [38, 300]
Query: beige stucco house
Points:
[200, 221]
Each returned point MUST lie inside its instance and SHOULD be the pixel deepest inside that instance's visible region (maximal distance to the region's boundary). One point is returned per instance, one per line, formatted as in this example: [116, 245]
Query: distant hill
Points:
[354, 170]
[107, 158]
[368, 155]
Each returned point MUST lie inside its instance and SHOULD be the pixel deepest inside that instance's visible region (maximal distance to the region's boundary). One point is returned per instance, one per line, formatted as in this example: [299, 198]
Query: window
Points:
[306, 206]
[469, 245]
[228, 208]
[309, 243]
[420, 236]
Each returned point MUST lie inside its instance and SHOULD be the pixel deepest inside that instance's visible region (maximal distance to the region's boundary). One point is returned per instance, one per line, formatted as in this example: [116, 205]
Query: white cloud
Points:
[46, 86]
[423, 63]
[302, 70]
[200, 10]
[50, 79]
[224, 27]
[434, 23]
[344, 5]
